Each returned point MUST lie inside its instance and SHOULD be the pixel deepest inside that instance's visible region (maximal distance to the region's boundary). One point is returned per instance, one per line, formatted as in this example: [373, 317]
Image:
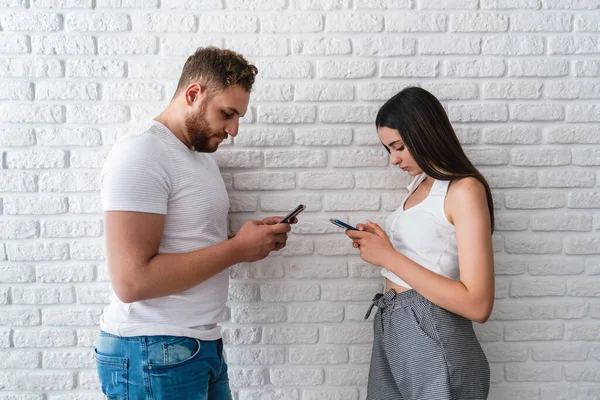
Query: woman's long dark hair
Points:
[427, 133]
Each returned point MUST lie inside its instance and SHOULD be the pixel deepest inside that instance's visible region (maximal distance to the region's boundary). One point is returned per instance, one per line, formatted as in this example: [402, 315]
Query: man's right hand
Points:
[256, 240]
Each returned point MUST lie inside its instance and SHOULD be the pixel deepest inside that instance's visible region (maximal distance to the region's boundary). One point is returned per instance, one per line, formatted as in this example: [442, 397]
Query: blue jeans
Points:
[161, 368]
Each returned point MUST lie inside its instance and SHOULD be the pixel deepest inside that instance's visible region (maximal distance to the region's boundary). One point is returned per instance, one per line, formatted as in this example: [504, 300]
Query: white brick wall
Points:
[519, 79]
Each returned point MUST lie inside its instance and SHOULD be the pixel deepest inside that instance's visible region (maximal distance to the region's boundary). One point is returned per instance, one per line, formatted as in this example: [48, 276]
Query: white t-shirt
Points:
[154, 172]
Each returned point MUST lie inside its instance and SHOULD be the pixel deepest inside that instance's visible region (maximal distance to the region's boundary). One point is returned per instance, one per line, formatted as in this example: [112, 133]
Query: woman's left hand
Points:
[374, 244]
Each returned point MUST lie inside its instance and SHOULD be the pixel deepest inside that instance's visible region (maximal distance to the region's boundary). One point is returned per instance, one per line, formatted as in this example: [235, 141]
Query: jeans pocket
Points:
[112, 372]
[173, 352]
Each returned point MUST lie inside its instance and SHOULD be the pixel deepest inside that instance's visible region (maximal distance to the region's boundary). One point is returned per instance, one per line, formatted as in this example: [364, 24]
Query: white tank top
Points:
[424, 234]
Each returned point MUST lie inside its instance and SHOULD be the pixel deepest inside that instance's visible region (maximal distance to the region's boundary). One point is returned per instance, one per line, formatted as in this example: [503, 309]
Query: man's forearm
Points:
[166, 274]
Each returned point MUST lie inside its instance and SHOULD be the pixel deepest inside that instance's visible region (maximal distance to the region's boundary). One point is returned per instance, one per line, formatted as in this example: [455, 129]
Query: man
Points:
[166, 208]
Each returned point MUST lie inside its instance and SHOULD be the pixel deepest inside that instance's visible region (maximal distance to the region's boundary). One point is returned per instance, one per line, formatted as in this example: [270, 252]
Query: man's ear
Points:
[193, 92]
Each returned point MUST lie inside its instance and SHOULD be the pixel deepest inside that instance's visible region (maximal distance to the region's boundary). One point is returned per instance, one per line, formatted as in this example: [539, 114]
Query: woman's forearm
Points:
[447, 293]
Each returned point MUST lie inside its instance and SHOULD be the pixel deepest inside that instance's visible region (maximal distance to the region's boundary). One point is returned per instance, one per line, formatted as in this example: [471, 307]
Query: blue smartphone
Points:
[290, 217]
[342, 224]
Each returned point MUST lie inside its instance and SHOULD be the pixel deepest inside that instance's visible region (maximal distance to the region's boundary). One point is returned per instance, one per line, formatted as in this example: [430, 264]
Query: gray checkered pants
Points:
[423, 352]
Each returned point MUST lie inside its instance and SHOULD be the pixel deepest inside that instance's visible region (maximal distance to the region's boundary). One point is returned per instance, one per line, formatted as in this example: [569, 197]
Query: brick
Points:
[347, 114]
[318, 355]
[321, 46]
[487, 156]
[69, 137]
[343, 292]
[98, 22]
[17, 273]
[562, 310]
[81, 250]
[97, 113]
[583, 200]
[321, 4]
[14, 44]
[516, 90]
[284, 202]
[165, 22]
[63, 45]
[285, 69]
[348, 335]
[228, 24]
[541, 157]
[93, 294]
[298, 23]
[474, 69]
[529, 372]
[47, 251]
[68, 229]
[16, 137]
[36, 159]
[512, 45]
[354, 202]
[33, 114]
[510, 265]
[264, 269]
[68, 181]
[478, 22]
[255, 356]
[411, 21]
[16, 91]
[61, 3]
[533, 331]
[505, 352]
[450, 45]
[39, 205]
[583, 331]
[508, 4]
[452, 91]
[259, 46]
[382, 4]
[290, 335]
[20, 316]
[582, 373]
[511, 179]
[346, 69]
[586, 68]
[335, 247]
[582, 245]
[64, 295]
[126, 3]
[122, 45]
[258, 314]
[400, 68]
[384, 47]
[536, 112]
[239, 336]
[19, 360]
[286, 114]
[583, 135]
[566, 178]
[537, 287]
[529, 200]
[311, 313]
[477, 112]
[38, 380]
[573, 45]
[540, 22]
[525, 244]
[325, 270]
[348, 376]
[537, 68]
[85, 205]
[323, 136]
[555, 266]
[19, 229]
[561, 222]
[295, 158]
[381, 180]
[351, 23]
[290, 292]
[243, 377]
[584, 288]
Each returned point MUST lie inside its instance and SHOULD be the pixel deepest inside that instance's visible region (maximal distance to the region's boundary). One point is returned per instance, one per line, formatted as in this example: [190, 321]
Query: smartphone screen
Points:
[342, 224]
[290, 216]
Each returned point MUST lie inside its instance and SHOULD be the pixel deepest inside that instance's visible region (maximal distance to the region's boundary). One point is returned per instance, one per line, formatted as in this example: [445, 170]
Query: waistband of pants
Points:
[148, 339]
[391, 298]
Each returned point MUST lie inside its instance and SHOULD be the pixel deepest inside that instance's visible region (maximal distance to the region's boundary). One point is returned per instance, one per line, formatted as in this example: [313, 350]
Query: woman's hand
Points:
[374, 244]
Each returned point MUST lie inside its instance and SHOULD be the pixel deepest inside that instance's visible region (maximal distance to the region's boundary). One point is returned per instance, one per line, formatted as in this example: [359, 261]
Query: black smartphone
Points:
[342, 224]
[290, 217]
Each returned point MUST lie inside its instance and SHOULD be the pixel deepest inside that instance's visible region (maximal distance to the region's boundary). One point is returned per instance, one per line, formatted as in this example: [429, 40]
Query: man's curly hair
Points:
[217, 69]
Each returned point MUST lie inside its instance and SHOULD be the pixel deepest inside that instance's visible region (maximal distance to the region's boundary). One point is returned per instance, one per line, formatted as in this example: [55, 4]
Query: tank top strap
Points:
[439, 188]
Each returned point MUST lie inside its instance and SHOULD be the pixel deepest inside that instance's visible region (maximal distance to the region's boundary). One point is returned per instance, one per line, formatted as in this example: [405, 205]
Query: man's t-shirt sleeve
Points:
[135, 177]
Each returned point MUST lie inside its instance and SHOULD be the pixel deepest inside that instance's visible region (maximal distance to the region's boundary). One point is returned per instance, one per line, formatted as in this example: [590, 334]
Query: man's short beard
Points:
[199, 130]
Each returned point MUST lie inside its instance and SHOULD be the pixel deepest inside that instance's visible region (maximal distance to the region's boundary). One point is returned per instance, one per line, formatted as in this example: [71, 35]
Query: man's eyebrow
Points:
[394, 142]
[233, 110]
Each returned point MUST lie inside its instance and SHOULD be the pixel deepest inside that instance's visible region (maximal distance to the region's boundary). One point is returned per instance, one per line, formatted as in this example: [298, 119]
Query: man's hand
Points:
[256, 239]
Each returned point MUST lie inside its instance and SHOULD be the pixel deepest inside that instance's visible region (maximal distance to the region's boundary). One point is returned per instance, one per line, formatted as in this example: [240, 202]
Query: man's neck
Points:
[174, 123]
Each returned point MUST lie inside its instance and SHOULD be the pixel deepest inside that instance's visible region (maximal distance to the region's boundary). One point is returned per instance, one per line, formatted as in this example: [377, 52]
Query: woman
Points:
[437, 259]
